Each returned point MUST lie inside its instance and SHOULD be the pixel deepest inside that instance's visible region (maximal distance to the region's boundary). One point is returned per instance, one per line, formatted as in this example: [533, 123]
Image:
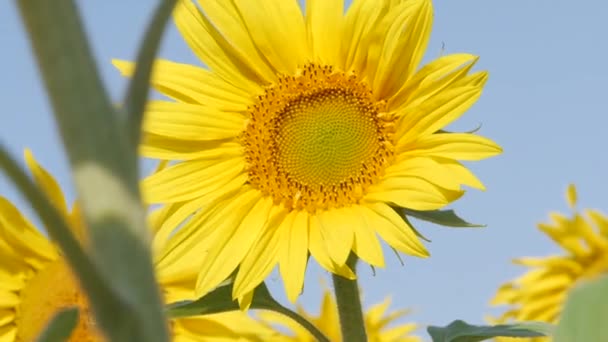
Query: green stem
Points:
[349, 306]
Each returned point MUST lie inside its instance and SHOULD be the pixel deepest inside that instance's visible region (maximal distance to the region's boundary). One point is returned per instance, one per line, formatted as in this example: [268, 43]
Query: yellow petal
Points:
[336, 229]
[460, 146]
[432, 79]
[213, 49]
[47, 183]
[165, 148]
[546, 285]
[294, 254]
[376, 312]
[532, 310]
[324, 21]
[225, 16]
[361, 18]
[8, 333]
[446, 173]
[281, 36]
[191, 179]
[462, 174]
[571, 196]
[412, 193]
[22, 237]
[600, 220]
[190, 245]
[365, 244]
[236, 241]
[436, 113]
[264, 255]
[9, 300]
[318, 249]
[191, 84]
[393, 229]
[584, 230]
[405, 43]
[563, 264]
[191, 122]
[330, 319]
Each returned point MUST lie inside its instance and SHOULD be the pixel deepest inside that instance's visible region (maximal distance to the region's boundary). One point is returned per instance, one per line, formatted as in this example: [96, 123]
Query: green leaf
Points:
[460, 331]
[472, 131]
[60, 327]
[442, 217]
[219, 300]
[585, 314]
[104, 166]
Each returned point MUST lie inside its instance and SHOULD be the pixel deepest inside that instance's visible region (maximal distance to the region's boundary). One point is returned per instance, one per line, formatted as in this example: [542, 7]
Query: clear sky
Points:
[545, 103]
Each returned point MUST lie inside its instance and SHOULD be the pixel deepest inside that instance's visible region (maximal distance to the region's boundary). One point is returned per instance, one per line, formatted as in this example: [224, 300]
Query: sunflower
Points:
[540, 293]
[302, 136]
[36, 282]
[379, 324]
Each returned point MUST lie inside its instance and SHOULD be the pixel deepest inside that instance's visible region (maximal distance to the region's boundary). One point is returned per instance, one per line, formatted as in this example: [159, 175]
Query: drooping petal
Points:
[187, 249]
[227, 253]
[336, 229]
[446, 173]
[412, 193]
[365, 243]
[294, 253]
[393, 229]
[318, 249]
[263, 256]
[183, 211]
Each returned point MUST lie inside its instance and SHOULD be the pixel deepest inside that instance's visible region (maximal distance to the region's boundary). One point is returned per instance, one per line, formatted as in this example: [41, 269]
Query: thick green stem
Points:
[349, 306]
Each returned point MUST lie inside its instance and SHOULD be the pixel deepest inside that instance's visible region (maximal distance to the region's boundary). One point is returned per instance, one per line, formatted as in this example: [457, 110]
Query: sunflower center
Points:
[52, 289]
[317, 140]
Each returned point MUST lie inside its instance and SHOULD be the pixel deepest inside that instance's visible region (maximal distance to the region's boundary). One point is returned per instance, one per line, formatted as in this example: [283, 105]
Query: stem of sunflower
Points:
[349, 305]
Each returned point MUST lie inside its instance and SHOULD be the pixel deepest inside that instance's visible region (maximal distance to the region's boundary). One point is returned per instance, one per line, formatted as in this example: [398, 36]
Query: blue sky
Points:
[544, 103]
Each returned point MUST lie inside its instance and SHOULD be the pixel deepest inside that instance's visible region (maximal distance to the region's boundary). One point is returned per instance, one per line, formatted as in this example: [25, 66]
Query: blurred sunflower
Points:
[379, 325]
[302, 135]
[540, 293]
[36, 282]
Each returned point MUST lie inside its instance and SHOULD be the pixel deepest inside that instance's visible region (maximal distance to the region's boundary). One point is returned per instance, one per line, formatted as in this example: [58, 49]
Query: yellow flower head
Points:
[36, 282]
[379, 324]
[302, 135]
[540, 293]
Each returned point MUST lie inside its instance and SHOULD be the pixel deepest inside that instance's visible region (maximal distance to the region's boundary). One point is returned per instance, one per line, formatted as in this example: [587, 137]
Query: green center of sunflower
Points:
[317, 140]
